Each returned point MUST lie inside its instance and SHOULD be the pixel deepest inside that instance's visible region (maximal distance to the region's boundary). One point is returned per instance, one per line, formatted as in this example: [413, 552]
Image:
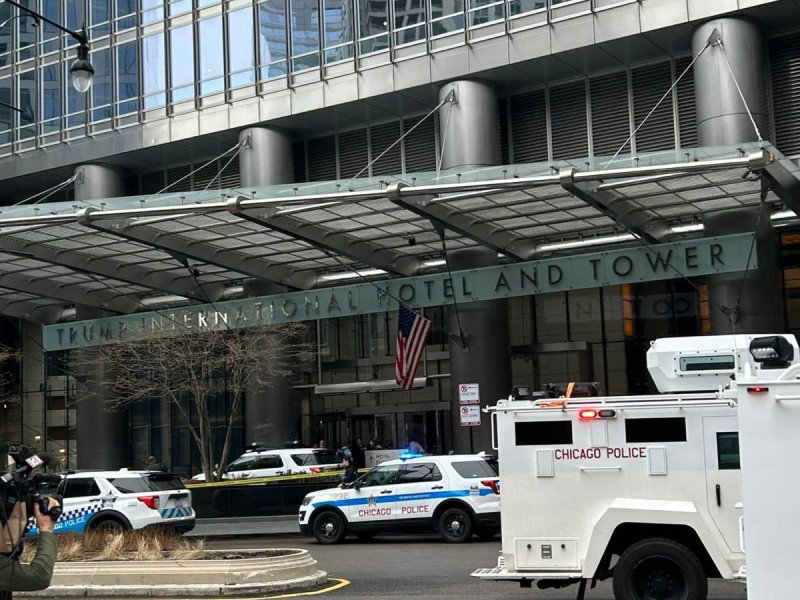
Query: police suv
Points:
[122, 500]
[455, 495]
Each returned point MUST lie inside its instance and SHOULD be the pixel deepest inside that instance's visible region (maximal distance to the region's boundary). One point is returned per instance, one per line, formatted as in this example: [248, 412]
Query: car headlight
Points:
[306, 501]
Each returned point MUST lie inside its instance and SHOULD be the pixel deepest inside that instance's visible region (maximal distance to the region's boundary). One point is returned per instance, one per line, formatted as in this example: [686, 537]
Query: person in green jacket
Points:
[19, 577]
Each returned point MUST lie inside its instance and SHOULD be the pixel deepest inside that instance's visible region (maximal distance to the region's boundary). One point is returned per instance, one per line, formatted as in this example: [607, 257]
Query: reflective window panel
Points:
[272, 39]
[6, 114]
[447, 16]
[26, 33]
[305, 34]
[26, 102]
[101, 86]
[154, 77]
[240, 47]
[76, 102]
[373, 25]
[518, 7]
[338, 24]
[100, 18]
[50, 34]
[127, 79]
[6, 35]
[409, 21]
[181, 43]
[51, 99]
[125, 16]
[152, 11]
[212, 58]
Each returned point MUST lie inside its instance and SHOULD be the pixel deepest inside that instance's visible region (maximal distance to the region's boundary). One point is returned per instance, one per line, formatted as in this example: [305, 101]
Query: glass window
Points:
[76, 18]
[485, 11]
[272, 38]
[51, 98]
[80, 487]
[127, 79]
[163, 482]
[212, 58]
[272, 461]
[728, 450]
[50, 9]
[409, 21]
[100, 16]
[129, 485]
[178, 7]
[722, 362]
[152, 11]
[338, 25]
[543, 433]
[420, 473]
[240, 47]
[243, 463]
[6, 39]
[126, 14]
[317, 457]
[373, 25]
[446, 16]
[474, 469]
[181, 43]
[645, 431]
[305, 34]
[381, 476]
[76, 102]
[154, 80]
[101, 86]
[6, 114]
[26, 102]
[518, 7]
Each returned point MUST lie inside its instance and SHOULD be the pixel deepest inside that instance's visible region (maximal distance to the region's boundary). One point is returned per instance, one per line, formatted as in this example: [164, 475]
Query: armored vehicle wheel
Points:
[329, 527]
[455, 525]
[659, 569]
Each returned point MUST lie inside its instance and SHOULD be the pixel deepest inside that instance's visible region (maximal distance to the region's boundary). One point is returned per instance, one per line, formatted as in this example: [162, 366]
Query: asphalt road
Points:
[422, 566]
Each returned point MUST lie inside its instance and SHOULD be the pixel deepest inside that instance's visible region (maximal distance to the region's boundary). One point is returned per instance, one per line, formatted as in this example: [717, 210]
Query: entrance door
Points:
[723, 476]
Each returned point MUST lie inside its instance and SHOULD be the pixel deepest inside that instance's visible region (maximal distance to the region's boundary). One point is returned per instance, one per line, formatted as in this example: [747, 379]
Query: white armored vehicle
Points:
[646, 490]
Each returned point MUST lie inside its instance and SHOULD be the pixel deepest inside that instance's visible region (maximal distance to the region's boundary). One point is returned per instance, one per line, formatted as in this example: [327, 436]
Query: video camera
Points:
[20, 488]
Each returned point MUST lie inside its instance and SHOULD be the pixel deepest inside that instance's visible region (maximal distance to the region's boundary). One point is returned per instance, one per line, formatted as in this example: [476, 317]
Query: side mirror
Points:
[357, 485]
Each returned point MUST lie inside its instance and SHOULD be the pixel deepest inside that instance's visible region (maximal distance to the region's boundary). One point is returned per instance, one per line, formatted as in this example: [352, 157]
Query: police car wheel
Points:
[329, 527]
[109, 526]
[455, 525]
[659, 569]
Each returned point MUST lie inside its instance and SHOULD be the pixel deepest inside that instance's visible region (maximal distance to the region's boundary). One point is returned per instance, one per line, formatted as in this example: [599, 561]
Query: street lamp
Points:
[81, 70]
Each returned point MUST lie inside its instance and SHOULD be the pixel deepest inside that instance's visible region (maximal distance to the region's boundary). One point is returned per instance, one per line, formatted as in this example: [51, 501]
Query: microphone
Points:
[34, 461]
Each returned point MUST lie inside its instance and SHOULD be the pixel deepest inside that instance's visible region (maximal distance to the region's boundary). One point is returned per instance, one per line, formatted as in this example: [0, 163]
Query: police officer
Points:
[350, 471]
[18, 577]
[155, 465]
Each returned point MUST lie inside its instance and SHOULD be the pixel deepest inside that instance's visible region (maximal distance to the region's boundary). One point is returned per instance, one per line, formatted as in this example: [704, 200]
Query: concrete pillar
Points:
[102, 436]
[723, 120]
[271, 411]
[759, 293]
[468, 127]
[34, 410]
[721, 115]
[266, 159]
[98, 181]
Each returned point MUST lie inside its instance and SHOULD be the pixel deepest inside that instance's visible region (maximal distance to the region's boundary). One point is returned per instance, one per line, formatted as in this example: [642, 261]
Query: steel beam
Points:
[21, 309]
[784, 183]
[221, 257]
[331, 241]
[482, 232]
[626, 213]
[169, 283]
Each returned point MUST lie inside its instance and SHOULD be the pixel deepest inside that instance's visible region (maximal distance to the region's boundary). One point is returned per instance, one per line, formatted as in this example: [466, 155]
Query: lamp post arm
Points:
[80, 36]
[11, 106]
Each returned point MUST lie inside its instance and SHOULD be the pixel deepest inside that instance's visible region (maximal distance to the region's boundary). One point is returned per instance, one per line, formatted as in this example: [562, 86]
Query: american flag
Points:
[412, 334]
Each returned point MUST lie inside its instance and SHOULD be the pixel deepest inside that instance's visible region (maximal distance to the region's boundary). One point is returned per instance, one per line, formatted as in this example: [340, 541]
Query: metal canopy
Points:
[136, 253]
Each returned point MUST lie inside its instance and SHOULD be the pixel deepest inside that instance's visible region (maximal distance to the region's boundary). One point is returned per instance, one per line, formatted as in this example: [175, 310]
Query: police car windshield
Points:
[317, 457]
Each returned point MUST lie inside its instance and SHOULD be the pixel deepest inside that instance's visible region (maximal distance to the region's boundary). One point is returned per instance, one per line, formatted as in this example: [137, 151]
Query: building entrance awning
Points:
[134, 254]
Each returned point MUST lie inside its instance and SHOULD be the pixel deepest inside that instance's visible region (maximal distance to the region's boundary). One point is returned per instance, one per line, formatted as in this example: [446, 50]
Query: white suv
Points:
[279, 461]
[455, 495]
[121, 500]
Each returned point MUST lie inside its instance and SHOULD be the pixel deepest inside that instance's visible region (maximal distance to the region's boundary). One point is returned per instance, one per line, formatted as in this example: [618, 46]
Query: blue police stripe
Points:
[401, 498]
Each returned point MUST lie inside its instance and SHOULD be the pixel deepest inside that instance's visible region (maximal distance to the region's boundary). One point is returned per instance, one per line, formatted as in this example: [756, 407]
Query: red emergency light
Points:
[757, 389]
[588, 414]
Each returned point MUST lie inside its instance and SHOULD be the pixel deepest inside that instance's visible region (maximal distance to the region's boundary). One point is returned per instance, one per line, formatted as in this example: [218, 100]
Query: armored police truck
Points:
[646, 490]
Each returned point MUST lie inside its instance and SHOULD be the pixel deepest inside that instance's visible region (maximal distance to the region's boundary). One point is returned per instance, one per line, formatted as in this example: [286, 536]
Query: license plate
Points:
[179, 504]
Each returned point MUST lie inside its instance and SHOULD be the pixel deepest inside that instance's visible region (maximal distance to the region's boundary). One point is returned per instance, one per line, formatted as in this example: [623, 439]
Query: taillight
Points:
[315, 469]
[757, 389]
[588, 414]
[491, 483]
[152, 502]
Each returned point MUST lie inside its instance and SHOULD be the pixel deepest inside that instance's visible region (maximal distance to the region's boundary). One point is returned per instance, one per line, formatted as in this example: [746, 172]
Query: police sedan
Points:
[456, 496]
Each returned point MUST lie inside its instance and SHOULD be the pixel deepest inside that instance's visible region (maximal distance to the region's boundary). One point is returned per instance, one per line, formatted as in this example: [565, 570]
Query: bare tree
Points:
[191, 366]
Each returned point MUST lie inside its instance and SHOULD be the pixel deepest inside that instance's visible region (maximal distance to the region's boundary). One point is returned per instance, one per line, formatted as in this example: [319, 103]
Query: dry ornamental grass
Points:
[150, 544]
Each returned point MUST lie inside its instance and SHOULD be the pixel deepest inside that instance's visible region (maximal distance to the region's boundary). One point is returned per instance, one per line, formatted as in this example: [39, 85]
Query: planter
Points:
[213, 576]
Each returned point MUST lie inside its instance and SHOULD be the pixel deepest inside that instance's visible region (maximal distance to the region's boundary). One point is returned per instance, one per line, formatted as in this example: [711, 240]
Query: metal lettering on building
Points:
[692, 258]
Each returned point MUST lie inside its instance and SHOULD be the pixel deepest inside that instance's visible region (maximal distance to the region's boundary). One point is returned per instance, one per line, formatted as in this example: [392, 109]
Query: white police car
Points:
[122, 500]
[275, 462]
[455, 495]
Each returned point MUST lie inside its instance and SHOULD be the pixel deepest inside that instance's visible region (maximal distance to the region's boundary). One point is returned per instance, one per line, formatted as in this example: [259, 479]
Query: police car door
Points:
[267, 465]
[82, 498]
[723, 477]
[375, 498]
[420, 489]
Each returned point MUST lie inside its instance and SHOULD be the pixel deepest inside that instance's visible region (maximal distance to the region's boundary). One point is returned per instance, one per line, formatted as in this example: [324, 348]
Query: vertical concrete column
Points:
[468, 125]
[266, 158]
[482, 357]
[721, 115]
[723, 120]
[271, 411]
[102, 436]
[34, 412]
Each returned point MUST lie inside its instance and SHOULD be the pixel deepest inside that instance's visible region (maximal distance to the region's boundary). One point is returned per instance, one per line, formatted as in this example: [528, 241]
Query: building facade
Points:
[335, 91]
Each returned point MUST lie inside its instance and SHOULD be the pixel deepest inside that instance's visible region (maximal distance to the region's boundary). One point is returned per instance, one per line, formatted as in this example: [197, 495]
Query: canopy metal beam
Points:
[205, 253]
[332, 241]
[170, 283]
[29, 311]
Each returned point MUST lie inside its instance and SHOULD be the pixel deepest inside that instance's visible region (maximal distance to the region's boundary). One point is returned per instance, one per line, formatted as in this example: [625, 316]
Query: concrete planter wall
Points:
[185, 578]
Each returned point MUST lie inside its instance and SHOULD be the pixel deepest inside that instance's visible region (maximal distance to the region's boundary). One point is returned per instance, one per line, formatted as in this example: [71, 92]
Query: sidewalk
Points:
[241, 526]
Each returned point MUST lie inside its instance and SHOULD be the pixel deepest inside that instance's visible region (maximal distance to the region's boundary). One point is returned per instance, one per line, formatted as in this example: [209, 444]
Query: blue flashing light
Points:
[407, 455]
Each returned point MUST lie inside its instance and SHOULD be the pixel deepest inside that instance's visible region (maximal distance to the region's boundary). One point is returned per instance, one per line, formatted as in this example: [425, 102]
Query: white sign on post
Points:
[468, 393]
[470, 415]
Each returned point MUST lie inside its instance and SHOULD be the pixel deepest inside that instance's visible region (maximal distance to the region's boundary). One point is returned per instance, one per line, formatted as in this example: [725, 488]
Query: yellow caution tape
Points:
[333, 477]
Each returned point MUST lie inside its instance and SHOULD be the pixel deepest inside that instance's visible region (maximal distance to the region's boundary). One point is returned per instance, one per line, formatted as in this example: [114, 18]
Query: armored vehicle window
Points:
[728, 450]
[543, 433]
[716, 362]
[644, 431]
[473, 469]
[420, 472]
[77, 488]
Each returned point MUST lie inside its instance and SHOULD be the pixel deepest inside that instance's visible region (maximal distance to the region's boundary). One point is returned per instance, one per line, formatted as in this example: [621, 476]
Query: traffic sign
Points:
[468, 393]
[470, 415]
